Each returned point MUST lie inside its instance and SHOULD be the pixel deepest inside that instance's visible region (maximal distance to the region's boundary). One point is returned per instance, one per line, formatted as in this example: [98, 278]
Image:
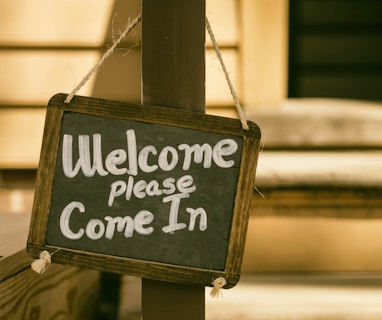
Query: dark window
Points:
[335, 49]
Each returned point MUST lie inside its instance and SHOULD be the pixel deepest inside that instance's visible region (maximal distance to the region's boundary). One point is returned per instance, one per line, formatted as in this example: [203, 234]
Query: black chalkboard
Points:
[144, 190]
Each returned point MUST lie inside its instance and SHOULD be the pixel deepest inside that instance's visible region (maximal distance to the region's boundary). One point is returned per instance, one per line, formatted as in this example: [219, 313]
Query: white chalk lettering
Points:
[153, 189]
[142, 188]
[84, 156]
[225, 147]
[143, 158]
[115, 158]
[128, 224]
[125, 224]
[169, 186]
[142, 219]
[185, 184]
[118, 188]
[139, 189]
[129, 188]
[194, 213]
[132, 150]
[120, 161]
[200, 153]
[65, 218]
[96, 228]
[163, 159]
[173, 224]
[129, 161]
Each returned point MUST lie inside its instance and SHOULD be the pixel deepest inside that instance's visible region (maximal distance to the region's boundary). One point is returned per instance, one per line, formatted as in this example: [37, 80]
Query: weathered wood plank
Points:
[320, 201]
[343, 184]
[320, 168]
[320, 123]
[13, 236]
[61, 292]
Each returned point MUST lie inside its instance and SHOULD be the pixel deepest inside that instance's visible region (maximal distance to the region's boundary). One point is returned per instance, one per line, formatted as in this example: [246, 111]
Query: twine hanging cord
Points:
[126, 32]
[103, 59]
[239, 109]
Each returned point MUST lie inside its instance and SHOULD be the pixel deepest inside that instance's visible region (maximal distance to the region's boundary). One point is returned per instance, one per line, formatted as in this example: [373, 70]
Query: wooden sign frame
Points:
[109, 110]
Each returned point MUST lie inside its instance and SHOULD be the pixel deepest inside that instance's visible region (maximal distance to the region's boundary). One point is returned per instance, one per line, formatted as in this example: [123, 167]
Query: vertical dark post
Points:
[173, 53]
[173, 75]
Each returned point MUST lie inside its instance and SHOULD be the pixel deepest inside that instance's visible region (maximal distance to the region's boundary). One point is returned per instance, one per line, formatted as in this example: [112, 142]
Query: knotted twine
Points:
[41, 264]
[218, 284]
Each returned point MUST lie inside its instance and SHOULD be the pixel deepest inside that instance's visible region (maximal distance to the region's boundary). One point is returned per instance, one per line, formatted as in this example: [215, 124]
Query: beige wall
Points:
[313, 244]
[264, 51]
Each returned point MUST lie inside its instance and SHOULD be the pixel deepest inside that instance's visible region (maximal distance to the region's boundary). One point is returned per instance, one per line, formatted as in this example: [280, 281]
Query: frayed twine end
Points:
[218, 283]
[40, 265]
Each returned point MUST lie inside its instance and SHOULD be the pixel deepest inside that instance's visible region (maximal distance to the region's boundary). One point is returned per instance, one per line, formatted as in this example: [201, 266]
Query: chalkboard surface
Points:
[144, 190]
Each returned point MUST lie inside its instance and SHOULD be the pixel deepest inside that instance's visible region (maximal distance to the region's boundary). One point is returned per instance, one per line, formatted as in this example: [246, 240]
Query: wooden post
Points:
[173, 53]
[173, 75]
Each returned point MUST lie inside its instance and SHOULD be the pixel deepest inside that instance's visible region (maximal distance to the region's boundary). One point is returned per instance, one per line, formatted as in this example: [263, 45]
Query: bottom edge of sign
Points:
[139, 268]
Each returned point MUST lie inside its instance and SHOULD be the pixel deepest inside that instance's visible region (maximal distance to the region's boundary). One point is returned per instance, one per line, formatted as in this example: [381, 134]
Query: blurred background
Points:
[308, 72]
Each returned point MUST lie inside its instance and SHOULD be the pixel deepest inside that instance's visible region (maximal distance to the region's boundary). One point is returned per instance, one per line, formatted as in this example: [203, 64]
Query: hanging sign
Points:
[153, 192]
